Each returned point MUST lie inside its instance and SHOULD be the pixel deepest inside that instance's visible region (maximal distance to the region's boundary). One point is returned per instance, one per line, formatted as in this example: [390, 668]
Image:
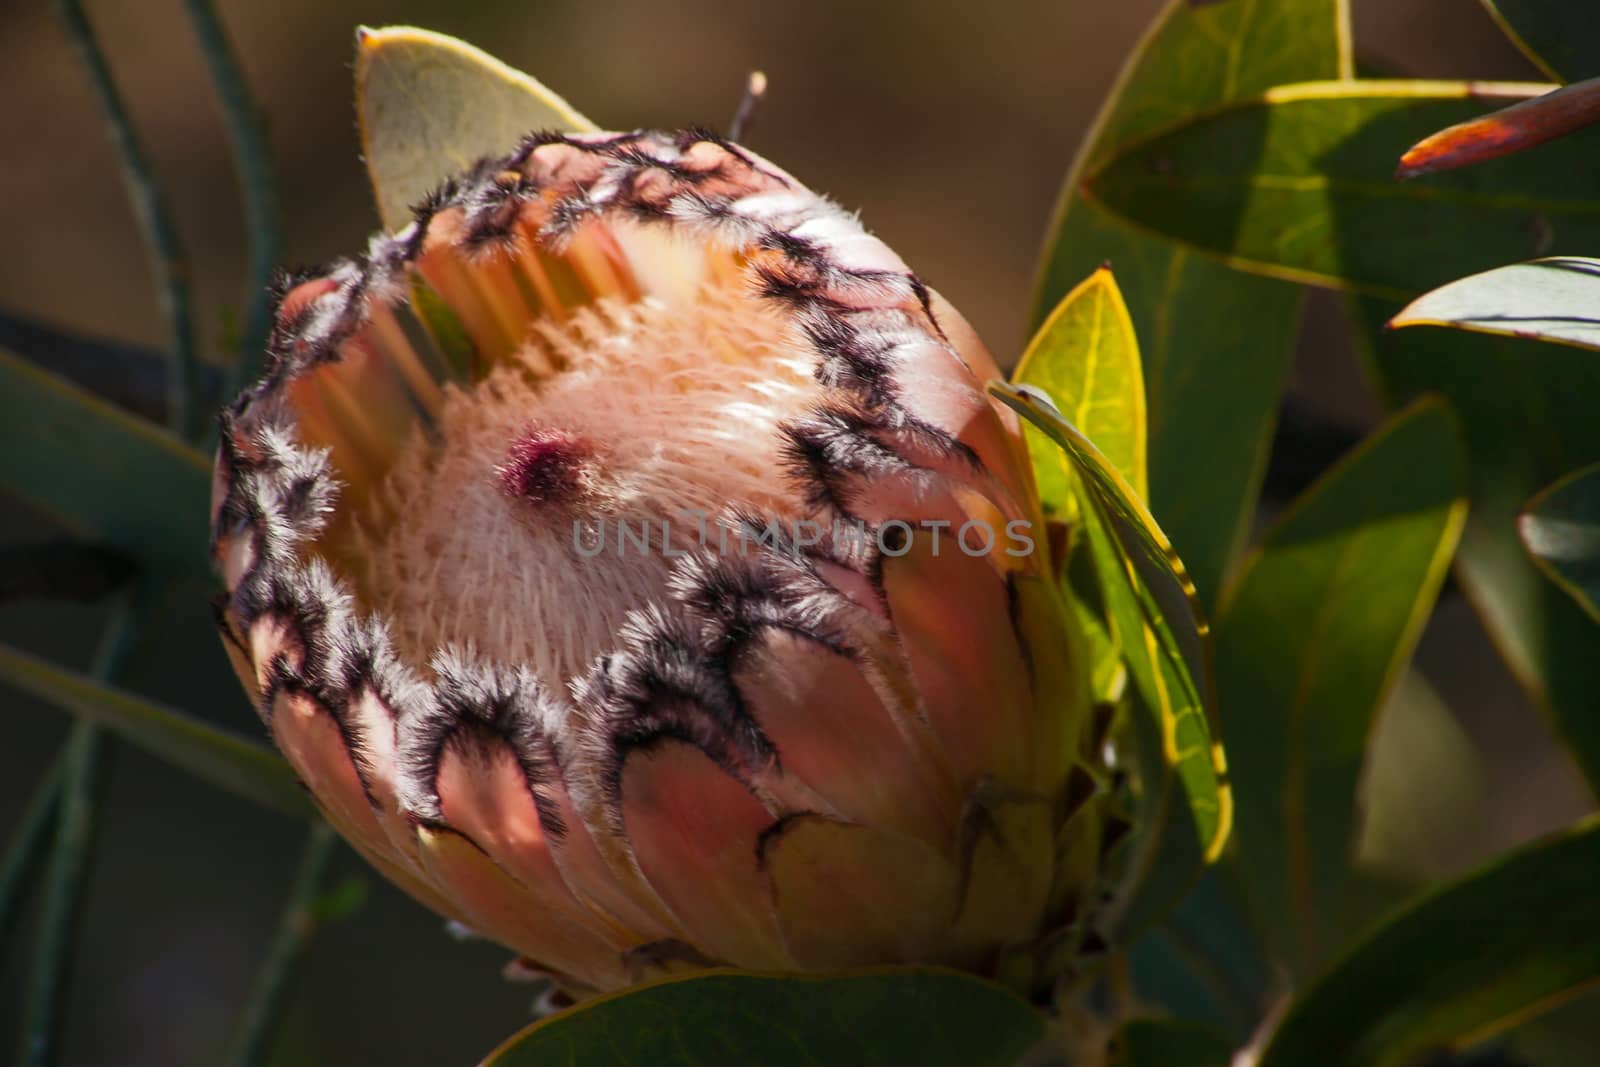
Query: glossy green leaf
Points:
[1471, 958]
[1170, 1043]
[1561, 529]
[926, 1017]
[1558, 36]
[1527, 409]
[431, 106]
[226, 760]
[1297, 184]
[109, 477]
[1215, 343]
[1323, 205]
[1086, 358]
[1555, 299]
[1324, 616]
[1150, 607]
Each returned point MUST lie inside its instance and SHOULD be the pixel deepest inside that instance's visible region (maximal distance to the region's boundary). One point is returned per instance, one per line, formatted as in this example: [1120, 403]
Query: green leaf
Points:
[1527, 409]
[1150, 607]
[925, 1017]
[232, 763]
[1086, 358]
[1323, 618]
[1297, 184]
[1555, 299]
[1216, 344]
[1561, 529]
[1472, 958]
[1196, 56]
[1558, 36]
[431, 106]
[1170, 1043]
[1423, 788]
[1205, 962]
[109, 477]
[1164, 855]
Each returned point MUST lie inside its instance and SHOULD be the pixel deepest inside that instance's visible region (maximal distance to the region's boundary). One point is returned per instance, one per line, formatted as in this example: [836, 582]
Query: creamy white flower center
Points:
[553, 496]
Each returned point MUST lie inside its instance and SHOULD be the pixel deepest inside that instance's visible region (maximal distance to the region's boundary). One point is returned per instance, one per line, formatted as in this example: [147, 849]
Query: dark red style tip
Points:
[544, 466]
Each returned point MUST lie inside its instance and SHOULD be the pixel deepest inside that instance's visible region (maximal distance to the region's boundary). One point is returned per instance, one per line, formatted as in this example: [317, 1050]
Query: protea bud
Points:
[629, 560]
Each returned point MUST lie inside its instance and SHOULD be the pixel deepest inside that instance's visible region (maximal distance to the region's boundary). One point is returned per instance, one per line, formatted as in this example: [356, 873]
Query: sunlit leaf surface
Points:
[1087, 358]
[430, 106]
[1298, 184]
[1215, 343]
[1555, 299]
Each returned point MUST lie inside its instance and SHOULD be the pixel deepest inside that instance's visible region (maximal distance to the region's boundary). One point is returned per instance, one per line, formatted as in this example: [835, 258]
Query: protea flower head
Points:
[629, 560]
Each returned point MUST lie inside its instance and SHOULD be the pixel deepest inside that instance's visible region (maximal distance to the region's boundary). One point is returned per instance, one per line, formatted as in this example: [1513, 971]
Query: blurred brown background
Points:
[948, 125]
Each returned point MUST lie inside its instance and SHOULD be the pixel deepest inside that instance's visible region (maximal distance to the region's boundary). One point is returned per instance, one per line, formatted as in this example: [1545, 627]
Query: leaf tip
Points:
[1410, 166]
[1527, 521]
[368, 40]
[1407, 316]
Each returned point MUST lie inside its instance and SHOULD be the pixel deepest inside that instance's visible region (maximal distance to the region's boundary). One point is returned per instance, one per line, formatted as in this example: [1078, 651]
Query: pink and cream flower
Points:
[629, 560]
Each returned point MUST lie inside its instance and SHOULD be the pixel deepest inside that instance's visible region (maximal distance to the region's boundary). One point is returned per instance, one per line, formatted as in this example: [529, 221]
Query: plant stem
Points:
[73, 847]
[295, 927]
[247, 134]
[19, 869]
[168, 263]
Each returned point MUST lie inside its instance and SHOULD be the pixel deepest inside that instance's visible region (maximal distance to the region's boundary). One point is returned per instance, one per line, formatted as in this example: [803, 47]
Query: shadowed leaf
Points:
[1423, 788]
[1324, 616]
[1478, 955]
[1170, 1043]
[130, 376]
[1205, 962]
[109, 477]
[1561, 529]
[1556, 299]
[1557, 36]
[926, 1017]
[1527, 412]
[228, 761]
